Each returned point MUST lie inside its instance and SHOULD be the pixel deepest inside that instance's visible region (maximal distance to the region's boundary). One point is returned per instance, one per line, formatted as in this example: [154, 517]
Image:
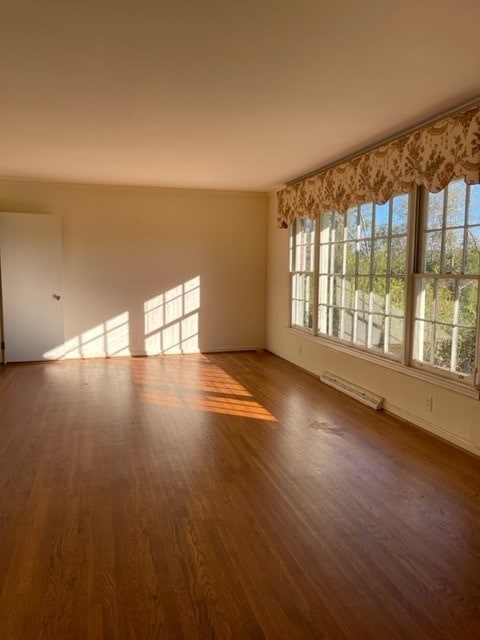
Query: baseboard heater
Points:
[367, 397]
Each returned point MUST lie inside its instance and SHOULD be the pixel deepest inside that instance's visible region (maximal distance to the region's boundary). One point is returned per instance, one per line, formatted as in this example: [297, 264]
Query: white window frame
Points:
[299, 272]
[420, 274]
[327, 275]
[406, 363]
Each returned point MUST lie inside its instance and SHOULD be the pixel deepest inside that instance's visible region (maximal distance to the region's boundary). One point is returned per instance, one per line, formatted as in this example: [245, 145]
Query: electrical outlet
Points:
[135, 340]
[300, 349]
[429, 403]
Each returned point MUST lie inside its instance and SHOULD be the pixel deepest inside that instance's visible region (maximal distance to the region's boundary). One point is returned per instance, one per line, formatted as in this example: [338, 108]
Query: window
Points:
[302, 253]
[447, 282]
[372, 295]
[362, 275]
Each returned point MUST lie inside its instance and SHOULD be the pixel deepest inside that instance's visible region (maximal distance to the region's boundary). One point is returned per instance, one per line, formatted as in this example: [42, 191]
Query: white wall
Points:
[455, 417]
[187, 268]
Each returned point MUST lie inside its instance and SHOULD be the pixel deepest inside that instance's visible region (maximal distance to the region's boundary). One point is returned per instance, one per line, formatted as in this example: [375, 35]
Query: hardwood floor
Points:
[226, 496]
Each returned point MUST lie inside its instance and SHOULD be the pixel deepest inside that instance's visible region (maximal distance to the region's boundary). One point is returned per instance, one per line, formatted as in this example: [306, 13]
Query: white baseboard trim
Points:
[138, 353]
[205, 350]
[441, 433]
[399, 412]
[226, 349]
[296, 361]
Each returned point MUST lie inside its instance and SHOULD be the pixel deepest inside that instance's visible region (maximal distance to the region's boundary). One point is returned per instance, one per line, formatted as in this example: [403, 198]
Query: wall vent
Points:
[367, 397]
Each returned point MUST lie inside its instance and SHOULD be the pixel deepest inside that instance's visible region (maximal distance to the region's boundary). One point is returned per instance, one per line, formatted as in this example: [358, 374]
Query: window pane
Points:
[380, 255]
[362, 329]
[433, 248]
[435, 203]
[323, 289]
[379, 294]
[309, 226]
[322, 318]
[302, 299]
[398, 257]
[337, 226]
[400, 214]
[445, 300]
[352, 223]
[347, 334]
[337, 257]
[349, 292]
[324, 262]
[468, 301]
[334, 328]
[443, 343]
[426, 298]
[336, 285]
[297, 312]
[307, 315]
[351, 258]
[366, 221]
[304, 232]
[397, 296]
[473, 251]
[308, 258]
[299, 257]
[456, 197]
[423, 337]
[453, 251]
[395, 339]
[378, 332]
[364, 256]
[325, 222]
[465, 351]
[382, 212]
[474, 207]
[442, 346]
[363, 293]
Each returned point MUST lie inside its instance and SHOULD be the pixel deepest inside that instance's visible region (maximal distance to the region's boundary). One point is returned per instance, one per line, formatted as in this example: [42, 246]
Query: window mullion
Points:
[435, 319]
[316, 269]
[371, 280]
[345, 276]
[444, 224]
[330, 280]
[476, 374]
[456, 318]
[293, 293]
[356, 295]
[465, 230]
[387, 281]
[415, 259]
[343, 280]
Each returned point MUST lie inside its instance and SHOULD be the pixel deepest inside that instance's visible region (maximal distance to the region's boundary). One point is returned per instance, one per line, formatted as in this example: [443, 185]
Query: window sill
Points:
[413, 372]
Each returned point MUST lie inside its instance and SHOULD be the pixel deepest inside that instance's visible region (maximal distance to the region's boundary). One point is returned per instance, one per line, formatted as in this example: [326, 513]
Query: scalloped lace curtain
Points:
[431, 156]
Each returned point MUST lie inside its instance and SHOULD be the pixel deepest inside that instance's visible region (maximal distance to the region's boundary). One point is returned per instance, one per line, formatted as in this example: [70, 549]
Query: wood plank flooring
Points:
[226, 496]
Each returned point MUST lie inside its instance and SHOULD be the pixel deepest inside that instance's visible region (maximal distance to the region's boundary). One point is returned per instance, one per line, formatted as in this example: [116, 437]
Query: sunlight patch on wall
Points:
[109, 338]
[172, 320]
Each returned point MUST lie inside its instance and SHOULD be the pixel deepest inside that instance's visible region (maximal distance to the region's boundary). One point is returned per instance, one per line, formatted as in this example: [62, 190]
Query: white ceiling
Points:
[221, 94]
